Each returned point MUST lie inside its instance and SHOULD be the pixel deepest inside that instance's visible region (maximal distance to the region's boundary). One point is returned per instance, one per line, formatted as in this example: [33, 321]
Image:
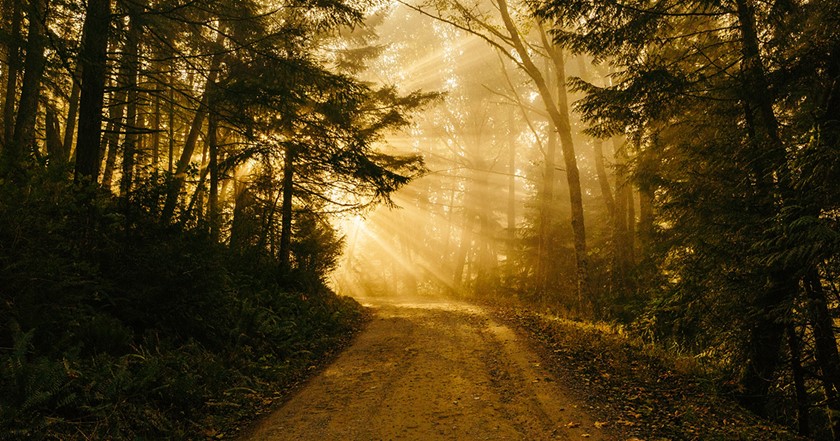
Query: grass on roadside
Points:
[637, 390]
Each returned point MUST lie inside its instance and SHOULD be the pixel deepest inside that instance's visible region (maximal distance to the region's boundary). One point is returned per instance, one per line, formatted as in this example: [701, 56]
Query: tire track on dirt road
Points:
[431, 370]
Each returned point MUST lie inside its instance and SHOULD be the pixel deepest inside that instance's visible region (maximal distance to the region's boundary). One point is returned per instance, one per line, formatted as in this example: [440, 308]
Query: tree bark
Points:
[111, 137]
[774, 302]
[511, 196]
[23, 138]
[285, 252]
[156, 132]
[213, 198]
[825, 345]
[764, 341]
[191, 141]
[802, 405]
[603, 178]
[544, 240]
[131, 60]
[92, 58]
[559, 113]
[171, 124]
[13, 71]
[55, 149]
[73, 109]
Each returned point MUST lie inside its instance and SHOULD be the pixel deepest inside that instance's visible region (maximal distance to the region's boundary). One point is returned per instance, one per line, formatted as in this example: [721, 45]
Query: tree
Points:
[503, 33]
[23, 137]
[92, 59]
[728, 199]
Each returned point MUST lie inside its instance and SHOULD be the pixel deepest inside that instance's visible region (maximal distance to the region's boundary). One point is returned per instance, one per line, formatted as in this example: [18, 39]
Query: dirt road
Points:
[431, 370]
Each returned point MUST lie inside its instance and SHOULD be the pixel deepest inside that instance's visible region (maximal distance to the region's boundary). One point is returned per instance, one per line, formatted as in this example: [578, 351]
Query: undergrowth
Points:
[639, 390]
[113, 326]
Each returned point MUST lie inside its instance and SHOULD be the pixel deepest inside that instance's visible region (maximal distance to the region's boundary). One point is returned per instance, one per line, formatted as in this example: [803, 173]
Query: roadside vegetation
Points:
[116, 327]
[638, 390]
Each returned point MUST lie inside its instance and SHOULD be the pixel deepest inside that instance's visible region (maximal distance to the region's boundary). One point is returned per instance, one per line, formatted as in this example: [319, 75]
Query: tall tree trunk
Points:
[110, 145]
[825, 344]
[773, 303]
[511, 196]
[156, 132]
[92, 58]
[171, 125]
[241, 230]
[764, 342]
[623, 224]
[73, 109]
[461, 254]
[619, 236]
[192, 137]
[131, 59]
[13, 69]
[598, 148]
[603, 178]
[285, 252]
[802, 405]
[55, 149]
[486, 259]
[647, 167]
[116, 125]
[631, 228]
[559, 113]
[546, 207]
[213, 199]
[23, 139]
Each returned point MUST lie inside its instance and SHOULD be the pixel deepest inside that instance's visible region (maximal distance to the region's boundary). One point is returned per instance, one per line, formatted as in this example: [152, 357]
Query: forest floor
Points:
[427, 369]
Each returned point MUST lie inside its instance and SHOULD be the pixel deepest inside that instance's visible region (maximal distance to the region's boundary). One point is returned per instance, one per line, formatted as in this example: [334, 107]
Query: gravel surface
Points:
[432, 370]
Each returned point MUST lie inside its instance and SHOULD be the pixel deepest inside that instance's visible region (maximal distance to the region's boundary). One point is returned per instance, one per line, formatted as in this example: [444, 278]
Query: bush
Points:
[113, 326]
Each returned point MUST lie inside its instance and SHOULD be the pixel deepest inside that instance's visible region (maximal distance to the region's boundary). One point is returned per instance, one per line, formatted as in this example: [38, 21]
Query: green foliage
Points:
[114, 327]
[735, 131]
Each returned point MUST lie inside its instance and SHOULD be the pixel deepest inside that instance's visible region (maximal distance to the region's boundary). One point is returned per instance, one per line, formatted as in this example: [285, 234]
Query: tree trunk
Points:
[619, 236]
[763, 345]
[559, 113]
[111, 137]
[603, 178]
[213, 199]
[192, 138]
[13, 70]
[73, 109]
[131, 61]
[92, 58]
[773, 303]
[171, 125]
[825, 345]
[55, 149]
[648, 166]
[156, 133]
[460, 262]
[598, 147]
[511, 196]
[800, 389]
[23, 139]
[631, 228]
[286, 209]
[546, 207]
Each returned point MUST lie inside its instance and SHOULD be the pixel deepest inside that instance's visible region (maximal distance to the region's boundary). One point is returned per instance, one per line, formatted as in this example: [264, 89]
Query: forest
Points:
[192, 191]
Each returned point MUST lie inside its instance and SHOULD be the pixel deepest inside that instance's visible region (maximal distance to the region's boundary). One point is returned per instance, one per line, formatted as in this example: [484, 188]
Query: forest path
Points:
[431, 370]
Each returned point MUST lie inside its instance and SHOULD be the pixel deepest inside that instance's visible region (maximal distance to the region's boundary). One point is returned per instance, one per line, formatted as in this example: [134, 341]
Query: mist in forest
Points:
[490, 216]
[669, 166]
[193, 192]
